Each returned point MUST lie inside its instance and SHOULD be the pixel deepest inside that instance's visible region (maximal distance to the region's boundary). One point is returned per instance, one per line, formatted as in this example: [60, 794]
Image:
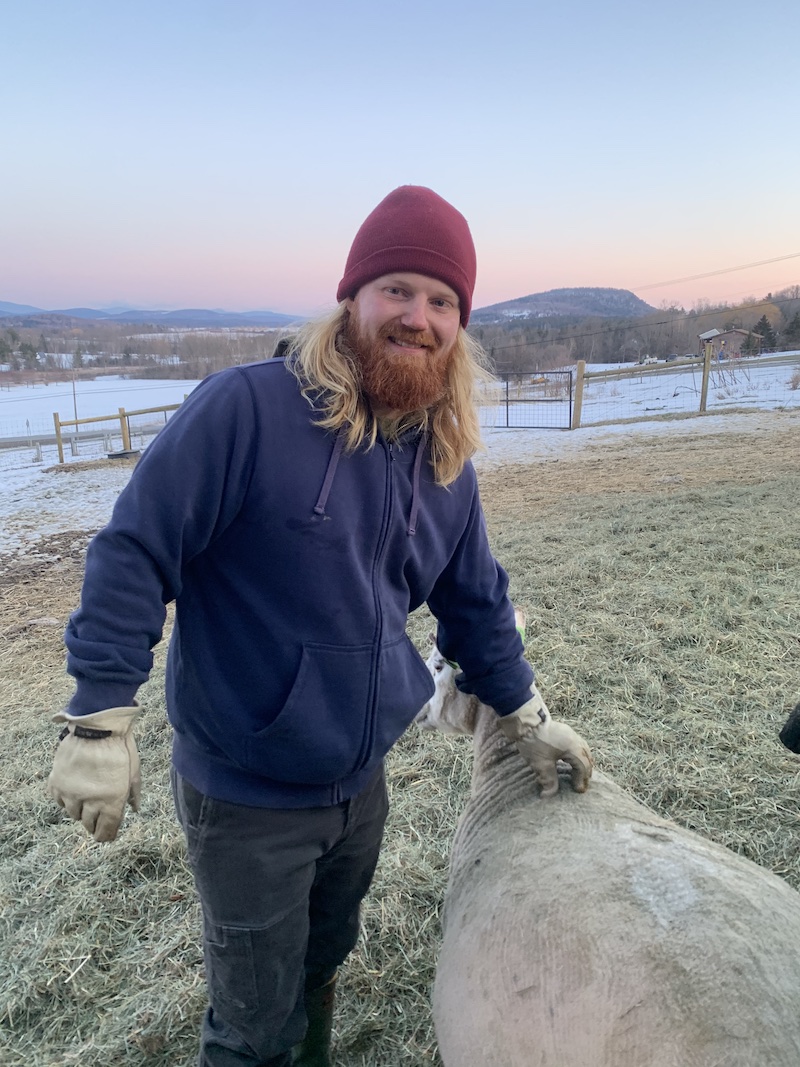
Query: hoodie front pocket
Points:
[318, 734]
[405, 686]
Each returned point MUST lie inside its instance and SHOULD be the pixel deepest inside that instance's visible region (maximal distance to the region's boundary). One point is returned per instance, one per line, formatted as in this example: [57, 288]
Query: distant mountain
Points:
[16, 309]
[79, 313]
[188, 318]
[556, 303]
[200, 317]
[565, 303]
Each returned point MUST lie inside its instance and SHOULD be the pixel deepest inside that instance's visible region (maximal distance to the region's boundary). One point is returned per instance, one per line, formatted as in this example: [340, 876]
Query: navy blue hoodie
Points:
[293, 565]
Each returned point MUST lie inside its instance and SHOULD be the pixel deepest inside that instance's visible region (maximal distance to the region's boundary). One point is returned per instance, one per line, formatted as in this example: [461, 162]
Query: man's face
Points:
[402, 328]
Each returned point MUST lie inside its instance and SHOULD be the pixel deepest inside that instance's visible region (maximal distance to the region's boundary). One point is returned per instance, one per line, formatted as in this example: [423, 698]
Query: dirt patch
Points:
[645, 464]
[92, 464]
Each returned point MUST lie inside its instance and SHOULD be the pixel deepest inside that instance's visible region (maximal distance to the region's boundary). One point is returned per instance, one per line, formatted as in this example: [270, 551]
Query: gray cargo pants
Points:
[280, 891]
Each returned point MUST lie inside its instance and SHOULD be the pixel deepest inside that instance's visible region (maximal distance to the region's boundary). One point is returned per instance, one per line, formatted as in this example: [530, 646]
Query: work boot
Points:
[315, 1048]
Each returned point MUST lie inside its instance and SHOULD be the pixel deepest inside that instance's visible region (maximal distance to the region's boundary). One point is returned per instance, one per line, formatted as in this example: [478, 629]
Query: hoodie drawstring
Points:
[412, 519]
[333, 463]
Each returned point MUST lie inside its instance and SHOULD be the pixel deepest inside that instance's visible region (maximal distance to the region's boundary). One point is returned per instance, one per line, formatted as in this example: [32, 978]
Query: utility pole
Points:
[74, 397]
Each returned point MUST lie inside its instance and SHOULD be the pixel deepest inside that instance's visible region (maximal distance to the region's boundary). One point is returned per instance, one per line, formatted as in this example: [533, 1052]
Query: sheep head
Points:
[449, 710]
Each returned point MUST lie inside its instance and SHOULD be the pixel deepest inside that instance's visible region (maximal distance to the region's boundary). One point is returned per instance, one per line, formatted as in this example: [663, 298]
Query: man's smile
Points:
[411, 346]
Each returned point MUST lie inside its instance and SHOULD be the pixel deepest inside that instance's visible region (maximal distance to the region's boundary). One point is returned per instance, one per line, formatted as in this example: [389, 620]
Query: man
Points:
[296, 510]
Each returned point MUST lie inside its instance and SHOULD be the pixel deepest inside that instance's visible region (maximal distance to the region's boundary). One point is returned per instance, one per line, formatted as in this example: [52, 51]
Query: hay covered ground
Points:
[659, 574]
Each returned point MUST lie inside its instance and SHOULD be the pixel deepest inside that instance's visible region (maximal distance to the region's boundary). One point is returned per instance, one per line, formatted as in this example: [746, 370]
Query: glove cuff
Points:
[526, 719]
[112, 722]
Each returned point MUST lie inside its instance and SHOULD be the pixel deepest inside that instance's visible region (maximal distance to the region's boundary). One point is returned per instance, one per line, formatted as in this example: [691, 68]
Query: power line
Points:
[714, 273]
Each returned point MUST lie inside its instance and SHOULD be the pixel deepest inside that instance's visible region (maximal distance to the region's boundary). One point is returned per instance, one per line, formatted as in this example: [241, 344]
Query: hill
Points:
[581, 303]
[187, 318]
[7, 309]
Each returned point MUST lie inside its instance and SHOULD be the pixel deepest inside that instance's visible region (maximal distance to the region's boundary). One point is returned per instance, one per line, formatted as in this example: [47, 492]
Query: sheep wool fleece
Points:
[293, 565]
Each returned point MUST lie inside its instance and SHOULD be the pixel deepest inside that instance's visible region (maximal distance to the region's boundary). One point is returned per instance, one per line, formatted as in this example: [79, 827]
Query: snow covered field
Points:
[36, 500]
[28, 409]
[769, 382]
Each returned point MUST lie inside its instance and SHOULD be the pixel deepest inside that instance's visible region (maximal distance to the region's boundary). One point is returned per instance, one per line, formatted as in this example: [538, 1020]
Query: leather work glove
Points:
[542, 742]
[96, 769]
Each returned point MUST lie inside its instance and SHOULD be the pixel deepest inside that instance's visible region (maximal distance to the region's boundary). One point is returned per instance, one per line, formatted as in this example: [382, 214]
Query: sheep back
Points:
[586, 931]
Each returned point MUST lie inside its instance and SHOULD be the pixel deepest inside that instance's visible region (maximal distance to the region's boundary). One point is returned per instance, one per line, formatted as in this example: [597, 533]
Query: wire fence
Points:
[557, 399]
[593, 394]
[531, 401]
[82, 439]
[685, 388]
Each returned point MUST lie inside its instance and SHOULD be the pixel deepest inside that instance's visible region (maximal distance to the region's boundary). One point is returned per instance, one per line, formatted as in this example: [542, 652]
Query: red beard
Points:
[393, 380]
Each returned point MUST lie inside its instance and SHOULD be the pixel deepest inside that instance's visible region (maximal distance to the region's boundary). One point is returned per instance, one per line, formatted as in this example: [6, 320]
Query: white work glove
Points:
[542, 742]
[96, 769]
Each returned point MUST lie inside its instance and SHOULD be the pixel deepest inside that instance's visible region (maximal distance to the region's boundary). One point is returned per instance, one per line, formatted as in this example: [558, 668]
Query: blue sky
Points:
[213, 154]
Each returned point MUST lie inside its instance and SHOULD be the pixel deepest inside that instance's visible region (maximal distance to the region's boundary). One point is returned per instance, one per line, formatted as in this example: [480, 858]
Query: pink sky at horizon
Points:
[186, 271]
[222, 154]
[310, 289]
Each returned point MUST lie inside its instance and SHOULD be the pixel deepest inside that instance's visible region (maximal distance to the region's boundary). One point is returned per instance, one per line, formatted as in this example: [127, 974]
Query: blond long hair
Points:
[329, 379]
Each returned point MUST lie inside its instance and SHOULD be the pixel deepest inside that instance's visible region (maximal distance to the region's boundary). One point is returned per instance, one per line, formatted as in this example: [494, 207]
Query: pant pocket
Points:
[255, 985]
[230, 971]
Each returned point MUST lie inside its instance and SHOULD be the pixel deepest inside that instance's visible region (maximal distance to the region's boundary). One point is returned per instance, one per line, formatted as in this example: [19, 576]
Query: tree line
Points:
[58, 345]
[64, 346]
[772, 323]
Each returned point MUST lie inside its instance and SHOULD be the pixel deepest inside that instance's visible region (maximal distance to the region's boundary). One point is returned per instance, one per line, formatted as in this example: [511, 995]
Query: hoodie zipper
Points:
[388, 509]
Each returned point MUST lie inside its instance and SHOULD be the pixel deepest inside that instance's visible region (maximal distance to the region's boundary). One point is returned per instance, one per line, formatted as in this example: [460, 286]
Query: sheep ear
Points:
[432, 637]
[519, 618]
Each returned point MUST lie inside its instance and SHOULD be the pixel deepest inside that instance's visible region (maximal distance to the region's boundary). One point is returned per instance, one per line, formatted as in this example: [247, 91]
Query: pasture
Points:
[660, 578]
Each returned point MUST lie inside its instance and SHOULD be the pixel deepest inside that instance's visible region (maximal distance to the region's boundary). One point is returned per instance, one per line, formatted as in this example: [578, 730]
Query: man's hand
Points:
[543, 742]
[96, 769]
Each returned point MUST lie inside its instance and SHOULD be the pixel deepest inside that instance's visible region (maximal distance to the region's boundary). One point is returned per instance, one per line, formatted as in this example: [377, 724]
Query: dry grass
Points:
[662, 589]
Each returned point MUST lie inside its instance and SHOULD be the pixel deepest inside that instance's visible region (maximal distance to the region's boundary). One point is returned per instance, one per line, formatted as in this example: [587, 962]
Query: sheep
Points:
[586, 931]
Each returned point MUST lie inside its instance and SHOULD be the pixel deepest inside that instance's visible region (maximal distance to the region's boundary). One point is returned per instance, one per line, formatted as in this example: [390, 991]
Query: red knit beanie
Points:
[413, 229]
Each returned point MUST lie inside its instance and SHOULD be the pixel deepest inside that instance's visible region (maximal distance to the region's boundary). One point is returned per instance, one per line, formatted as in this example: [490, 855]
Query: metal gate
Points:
[539, 401]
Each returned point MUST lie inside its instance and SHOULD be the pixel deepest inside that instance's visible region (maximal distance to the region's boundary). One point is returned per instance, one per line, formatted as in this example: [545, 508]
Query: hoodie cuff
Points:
[94, 696]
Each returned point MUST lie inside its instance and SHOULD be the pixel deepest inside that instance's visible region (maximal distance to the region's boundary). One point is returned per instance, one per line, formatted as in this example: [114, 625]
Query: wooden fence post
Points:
[709, 348]
[59, 439]
[576, 407]
[124, 430]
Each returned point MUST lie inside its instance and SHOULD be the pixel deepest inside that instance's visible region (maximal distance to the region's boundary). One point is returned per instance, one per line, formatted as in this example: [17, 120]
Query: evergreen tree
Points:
[764, 328]
[792, 332]
[27, 351]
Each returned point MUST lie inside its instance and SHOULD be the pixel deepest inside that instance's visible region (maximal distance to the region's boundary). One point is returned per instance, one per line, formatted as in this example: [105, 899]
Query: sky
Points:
[223, 153]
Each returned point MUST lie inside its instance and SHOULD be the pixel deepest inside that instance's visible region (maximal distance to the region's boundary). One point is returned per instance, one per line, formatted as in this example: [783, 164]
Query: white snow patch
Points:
[36, 501]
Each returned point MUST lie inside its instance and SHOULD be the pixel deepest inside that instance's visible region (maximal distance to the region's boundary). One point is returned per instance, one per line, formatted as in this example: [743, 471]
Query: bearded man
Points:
[296, 510]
